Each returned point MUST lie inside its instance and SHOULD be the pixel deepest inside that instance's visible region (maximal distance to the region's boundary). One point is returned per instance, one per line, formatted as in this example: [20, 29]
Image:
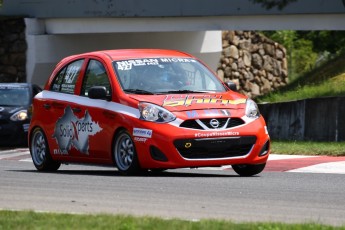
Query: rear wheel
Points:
[248, 170]
[40, 154]
[125, 155]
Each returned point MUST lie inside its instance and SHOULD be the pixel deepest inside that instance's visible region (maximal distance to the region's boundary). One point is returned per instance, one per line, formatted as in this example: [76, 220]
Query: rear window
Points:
[65, 80]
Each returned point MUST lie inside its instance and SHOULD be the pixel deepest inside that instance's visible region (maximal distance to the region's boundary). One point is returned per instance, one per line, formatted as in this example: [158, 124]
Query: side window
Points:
[65, 80]
[95, 75]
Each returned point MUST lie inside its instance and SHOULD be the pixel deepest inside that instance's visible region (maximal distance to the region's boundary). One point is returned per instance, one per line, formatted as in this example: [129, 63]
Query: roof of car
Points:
[122, 54]
[14, 85]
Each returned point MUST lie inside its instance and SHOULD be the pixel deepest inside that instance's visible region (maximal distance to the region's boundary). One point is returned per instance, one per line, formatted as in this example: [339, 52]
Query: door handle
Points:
[76, 110]
[46, 106]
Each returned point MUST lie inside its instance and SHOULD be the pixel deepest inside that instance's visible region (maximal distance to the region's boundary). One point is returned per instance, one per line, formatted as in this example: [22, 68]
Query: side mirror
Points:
[231, 85]
[97, 92]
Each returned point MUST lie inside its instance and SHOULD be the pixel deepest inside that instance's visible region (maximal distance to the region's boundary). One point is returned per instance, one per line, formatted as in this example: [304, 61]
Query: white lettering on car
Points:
[142, 132]
[127, 65]
[216, 134]
[140, 139]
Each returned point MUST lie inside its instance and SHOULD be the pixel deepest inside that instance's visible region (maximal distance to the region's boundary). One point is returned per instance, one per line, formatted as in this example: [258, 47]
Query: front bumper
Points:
[13, 133]
[172, 146]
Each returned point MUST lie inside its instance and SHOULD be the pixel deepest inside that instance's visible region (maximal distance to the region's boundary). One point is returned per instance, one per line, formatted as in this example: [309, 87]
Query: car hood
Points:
[184, 102]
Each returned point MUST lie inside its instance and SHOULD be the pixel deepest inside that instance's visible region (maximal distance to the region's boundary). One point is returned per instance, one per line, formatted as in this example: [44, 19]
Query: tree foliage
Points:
[307, 48]
[331, 41]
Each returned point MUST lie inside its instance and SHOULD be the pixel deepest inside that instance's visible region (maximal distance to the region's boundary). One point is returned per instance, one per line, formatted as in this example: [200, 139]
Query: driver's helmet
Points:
[157, 73]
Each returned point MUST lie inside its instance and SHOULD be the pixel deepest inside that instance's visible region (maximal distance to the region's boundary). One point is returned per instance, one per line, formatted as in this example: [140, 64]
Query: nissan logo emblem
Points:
[214, 123]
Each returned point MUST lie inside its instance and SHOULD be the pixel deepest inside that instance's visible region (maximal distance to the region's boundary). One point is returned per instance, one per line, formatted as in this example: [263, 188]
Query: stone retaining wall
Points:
[255, 63]
[12, 50]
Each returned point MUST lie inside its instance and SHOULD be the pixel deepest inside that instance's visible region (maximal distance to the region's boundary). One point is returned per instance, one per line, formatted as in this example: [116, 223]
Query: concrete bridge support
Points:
[49, 42]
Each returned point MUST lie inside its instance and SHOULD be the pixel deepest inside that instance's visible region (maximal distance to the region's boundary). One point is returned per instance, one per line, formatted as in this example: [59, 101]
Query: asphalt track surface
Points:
[293, 190]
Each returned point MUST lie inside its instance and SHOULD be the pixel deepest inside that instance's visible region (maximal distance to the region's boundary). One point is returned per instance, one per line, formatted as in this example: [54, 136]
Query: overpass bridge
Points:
[55, 29]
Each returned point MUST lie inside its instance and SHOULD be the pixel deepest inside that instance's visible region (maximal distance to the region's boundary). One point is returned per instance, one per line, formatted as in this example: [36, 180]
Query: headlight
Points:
[155, 113]
[20, 116]
[252, 110]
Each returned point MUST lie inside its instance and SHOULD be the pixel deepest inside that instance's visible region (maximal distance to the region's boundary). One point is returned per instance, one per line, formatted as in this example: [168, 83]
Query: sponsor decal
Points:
[187, 100]
[142, 132]
[192, 114]
[71, 131]
[60, 152]
[181, 60]
[128, 64]
[217, 134]
[208, 113]
[71, 73]
[140, 139]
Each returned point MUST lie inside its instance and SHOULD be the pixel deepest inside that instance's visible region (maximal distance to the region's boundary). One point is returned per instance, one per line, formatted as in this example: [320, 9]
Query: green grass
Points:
[332, 87]
[33, 220]
[308, 148]
[325, 80]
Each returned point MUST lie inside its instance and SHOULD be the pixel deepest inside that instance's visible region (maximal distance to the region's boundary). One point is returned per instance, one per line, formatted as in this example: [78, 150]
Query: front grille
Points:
[203, 124]
[212, 148]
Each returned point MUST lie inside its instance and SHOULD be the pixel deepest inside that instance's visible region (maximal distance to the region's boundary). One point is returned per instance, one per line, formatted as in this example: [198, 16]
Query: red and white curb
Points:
[19, 154]
[276, 162]
[305, 164]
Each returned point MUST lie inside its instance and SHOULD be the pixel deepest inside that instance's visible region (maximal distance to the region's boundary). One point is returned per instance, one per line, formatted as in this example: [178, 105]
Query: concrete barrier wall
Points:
[318, 119]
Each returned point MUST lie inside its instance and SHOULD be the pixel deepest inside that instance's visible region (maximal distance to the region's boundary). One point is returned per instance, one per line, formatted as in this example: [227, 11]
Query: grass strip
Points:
[332, 87]
[308, 148]
[26, 220]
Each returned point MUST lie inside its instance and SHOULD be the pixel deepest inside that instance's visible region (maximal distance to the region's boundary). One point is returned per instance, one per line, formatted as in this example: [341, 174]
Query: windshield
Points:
[14, 96]
[166, 75]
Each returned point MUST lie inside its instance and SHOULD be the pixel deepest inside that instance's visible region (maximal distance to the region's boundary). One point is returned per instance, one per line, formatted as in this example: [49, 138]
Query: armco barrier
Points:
[317, 119]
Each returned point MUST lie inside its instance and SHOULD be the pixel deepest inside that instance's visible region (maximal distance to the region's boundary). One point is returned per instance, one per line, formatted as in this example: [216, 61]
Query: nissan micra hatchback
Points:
[144, 110]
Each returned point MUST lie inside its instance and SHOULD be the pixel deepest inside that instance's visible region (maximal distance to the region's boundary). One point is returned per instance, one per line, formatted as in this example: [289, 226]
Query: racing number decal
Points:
[71, 131]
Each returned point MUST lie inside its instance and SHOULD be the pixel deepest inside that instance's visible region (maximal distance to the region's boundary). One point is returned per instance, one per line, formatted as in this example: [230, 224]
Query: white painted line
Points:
[26, 160]
[332, 167]
[286, 157]
[14, 154]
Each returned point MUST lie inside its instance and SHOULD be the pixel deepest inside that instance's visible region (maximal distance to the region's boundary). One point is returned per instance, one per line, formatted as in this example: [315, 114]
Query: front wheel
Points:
[125, 155]
[248, 170]
[40, 154]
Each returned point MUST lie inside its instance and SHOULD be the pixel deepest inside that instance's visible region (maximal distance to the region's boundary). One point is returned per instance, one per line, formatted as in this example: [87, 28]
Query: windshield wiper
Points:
[138, 91]
[182, 91]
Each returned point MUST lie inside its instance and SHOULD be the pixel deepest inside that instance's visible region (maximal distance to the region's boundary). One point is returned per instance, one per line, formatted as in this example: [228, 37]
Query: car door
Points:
[59, 105]
[97, 123]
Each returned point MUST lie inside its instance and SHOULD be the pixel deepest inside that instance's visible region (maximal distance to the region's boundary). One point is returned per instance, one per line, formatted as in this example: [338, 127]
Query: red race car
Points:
[144, 109]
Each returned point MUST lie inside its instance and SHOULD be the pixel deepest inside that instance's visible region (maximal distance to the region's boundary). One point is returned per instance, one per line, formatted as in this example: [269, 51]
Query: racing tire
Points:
[248, 170]
[40, 153]
[125, 155]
